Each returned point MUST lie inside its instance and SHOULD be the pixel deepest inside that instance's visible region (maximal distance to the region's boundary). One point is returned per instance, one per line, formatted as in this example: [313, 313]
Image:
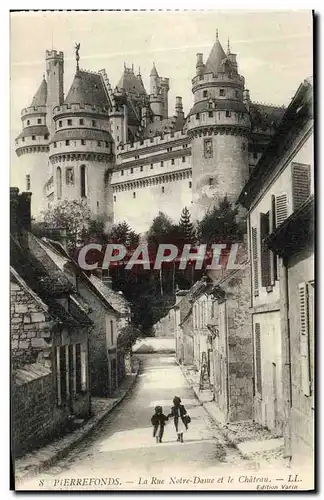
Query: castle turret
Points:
[32, 145]
[154, 80]
[218, 125]
[165, 87]
[82, 150]
[55, 84]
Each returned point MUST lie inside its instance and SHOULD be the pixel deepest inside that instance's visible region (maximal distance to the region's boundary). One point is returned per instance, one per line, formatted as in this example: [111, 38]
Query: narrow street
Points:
[123, 447]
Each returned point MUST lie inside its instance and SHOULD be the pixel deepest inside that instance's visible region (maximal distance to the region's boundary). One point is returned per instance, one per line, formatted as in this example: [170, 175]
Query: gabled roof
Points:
[40, 97]
[117, 301]
[216, 56]
[87, 88]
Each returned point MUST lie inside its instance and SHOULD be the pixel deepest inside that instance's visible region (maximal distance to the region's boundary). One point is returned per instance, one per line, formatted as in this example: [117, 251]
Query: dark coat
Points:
[159, 419]
[175, 410]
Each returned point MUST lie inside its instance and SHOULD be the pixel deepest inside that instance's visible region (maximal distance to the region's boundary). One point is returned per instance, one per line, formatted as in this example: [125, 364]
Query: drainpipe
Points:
[227, 363]
[286, 358]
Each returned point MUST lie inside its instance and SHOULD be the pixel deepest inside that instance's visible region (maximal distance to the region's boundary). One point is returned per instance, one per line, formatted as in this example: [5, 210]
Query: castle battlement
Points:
[172, 136]
[54, 53]
[164, 81]
[32, 110]
[209, 78]
[78, 108]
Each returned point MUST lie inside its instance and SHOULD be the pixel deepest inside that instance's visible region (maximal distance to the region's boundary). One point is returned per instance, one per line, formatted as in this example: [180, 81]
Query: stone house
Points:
[230, 345]
[293, 242]
[280, 183]
[50, 388]
[108, 312]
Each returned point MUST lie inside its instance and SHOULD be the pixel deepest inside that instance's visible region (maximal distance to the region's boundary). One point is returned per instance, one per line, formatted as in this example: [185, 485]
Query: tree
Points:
[186, 228]
[121, 233]
[95, 232]
[219, 224]
[160, 230]
[71, 215]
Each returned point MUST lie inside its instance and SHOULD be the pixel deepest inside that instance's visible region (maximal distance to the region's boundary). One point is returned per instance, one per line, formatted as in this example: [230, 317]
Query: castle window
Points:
[83, 181]
[69, 122]
[228, 114]
[134, 195]
[81, 121]
[205, 93]
[122, 172]
[33, 137]
[210, 181]
[208, 148]
[136, 157]
[132, 170]
[60, 123]
[59, 183]
[210, 114]
[114, 198]
[222, 92]
[98, 143]
[172, 161]
[183, 159]
[83, 142]
[162, 163]
[55, 145]
[184, 146]
[141, 169]
[236, 93]
[117, 128]
[46, 137]
[118, 139]
[39, 120]
[190, 184]
[23, 139]
[98, 205]
[107, 144]
[28, 122]
[151, 166]
[162, 189]
[197, 116]
[210, 105]
[201, 77]
[93, 122]
[67, 142]
[27, 182]
[169, 149]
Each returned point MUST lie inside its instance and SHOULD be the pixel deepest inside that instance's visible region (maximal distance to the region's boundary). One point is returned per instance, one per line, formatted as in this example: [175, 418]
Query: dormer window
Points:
[210, 105]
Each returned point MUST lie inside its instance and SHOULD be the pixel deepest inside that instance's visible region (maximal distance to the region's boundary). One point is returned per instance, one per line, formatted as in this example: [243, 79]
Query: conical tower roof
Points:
[154, 71]
[87, 88]
[40, 97]
[215, 58]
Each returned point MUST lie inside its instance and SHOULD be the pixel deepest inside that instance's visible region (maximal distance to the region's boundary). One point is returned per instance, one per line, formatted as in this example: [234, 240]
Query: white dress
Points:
[181, 426]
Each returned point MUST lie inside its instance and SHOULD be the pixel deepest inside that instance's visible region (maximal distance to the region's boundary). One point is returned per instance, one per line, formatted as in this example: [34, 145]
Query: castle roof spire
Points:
[77, 56]
[40, 97]
[217, 35]
[216, 56]
[228, 46]
[154, 71]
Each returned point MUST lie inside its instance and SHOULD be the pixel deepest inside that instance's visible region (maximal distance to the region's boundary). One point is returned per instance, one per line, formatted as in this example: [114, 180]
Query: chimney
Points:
[200, 64]
[178, 106]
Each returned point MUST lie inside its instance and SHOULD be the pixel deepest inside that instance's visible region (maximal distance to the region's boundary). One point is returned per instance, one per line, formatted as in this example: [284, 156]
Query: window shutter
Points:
[78, 374]
[258, 358]
[300, 184]
[281, 208]
[255, 261]
[304, 338]
[273, 256]
[265, 252]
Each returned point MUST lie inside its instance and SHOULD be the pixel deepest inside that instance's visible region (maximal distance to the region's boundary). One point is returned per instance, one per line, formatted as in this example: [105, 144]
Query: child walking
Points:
[158, 421]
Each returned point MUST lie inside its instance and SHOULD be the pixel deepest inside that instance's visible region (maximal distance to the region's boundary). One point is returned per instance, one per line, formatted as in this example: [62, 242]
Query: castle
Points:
[120, 149]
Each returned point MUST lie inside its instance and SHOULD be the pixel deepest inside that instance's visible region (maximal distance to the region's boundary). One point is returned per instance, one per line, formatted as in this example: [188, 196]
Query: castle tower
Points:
[218, 126]
[165, 87]
[82, 148]
[32, 146]
[55, 84]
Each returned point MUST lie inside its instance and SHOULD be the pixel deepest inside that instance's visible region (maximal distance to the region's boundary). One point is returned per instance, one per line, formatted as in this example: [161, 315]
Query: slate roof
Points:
[34, 130]
[116, 300]
[216, 56]
[220, 105]
[171, 124]
[87, 88]
[40, 97]
[264, 116]
[84, 133]
[131, 83]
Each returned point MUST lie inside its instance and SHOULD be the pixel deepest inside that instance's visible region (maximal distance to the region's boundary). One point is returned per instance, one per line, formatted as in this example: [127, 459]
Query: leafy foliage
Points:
[186, 228]
[219, 224]
[121, 233]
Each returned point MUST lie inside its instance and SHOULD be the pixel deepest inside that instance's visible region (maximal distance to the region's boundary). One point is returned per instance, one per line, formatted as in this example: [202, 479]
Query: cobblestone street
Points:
[123, 447]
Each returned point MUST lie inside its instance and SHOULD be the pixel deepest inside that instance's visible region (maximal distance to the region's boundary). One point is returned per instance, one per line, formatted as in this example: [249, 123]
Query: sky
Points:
[274, 50]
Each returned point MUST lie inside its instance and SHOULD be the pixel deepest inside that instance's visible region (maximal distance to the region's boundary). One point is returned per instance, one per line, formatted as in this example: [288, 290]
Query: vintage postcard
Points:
[162, 285]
